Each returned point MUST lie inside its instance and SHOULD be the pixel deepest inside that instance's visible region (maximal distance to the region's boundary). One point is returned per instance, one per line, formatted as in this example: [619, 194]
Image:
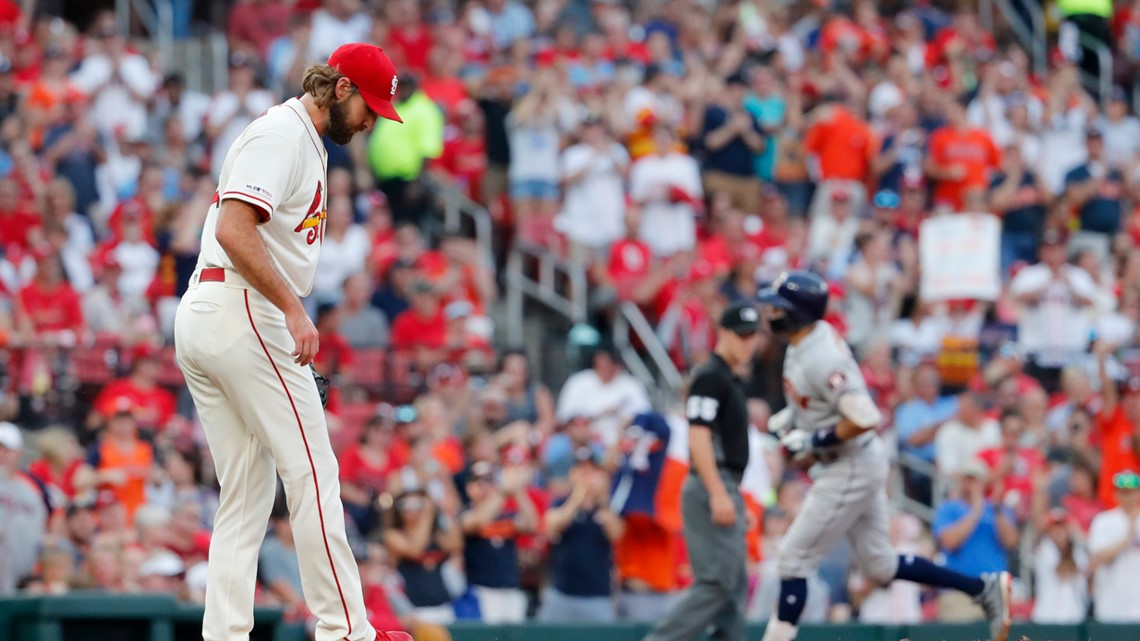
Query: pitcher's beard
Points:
[339, 131]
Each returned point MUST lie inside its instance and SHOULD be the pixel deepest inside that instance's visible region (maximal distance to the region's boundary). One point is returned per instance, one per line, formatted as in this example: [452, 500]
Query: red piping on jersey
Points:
[309, 453]
[320, 155]
[268, 208]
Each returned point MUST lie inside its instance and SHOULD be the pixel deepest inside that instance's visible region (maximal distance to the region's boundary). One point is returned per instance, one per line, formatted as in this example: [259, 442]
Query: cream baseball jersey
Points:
[278, 165]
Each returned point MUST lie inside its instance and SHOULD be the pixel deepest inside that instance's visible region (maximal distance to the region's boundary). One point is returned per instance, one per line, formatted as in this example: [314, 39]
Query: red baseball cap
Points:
[369, 68]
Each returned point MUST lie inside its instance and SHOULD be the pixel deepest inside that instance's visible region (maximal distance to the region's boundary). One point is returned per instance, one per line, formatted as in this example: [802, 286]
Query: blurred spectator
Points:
[162, 573]
[582, 529]
[464, 157]
[604, 392]
[534, 129]
[731, 138]
[1080, 500]
[1117, 426]
[234, 108]
[398, 152]
[961, 158]
[365, 466]
[874, 289]
[1120, 131]
[137, 258]
[834, 225]
[1115, 553]
[1018, 195]
[277, 565]
[917, 422]
[1061, 565]
[495, 100]
[667, 187]
[422, 328]
[392, 296]
[61, 468]
[841, 146]
[182, 482]
[361, 324]
[388, 607]
[974, 534]
[345, 247]
[960, 439]
[174, 102]
[117, 81]
[500, 509]
[903, 148]
[122, 460]
[528, 399]
[335, 23]
[1052, 294]
[508, 22]
[1013, 467]
[421, 541]
[768, 105]
[23, 512]
[51, 306]
[651, 465]
[57, 571]
[151, 405]
[592, 177]
[1095, 189]
[254, 24]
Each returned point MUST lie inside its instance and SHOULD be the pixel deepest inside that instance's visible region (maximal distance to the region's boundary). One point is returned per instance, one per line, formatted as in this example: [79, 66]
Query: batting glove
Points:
[796, 442]
[781, 422]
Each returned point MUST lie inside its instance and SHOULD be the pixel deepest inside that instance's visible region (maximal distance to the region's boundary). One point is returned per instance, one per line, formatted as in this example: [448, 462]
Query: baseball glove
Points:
[323, 385]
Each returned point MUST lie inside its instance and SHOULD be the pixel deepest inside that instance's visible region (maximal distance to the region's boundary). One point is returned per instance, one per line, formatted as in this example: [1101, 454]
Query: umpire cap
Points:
[802, 295]
[740, 317]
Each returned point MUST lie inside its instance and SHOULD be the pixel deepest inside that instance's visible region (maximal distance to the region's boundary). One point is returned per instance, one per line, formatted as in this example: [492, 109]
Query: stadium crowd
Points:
[684, 153]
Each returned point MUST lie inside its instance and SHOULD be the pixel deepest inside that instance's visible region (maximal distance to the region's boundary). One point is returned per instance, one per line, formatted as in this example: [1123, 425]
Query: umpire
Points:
[711, 506]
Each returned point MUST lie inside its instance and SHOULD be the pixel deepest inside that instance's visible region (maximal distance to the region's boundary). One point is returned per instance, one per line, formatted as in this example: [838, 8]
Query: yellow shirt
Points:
[399, 150]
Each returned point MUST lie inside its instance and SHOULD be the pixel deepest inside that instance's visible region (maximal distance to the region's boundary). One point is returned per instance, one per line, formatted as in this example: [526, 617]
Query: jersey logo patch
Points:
[260, 190]
[313, 221]
[837, 382]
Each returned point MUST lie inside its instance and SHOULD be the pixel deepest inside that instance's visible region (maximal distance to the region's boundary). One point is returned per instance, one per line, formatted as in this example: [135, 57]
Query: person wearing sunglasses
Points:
[1114, 543]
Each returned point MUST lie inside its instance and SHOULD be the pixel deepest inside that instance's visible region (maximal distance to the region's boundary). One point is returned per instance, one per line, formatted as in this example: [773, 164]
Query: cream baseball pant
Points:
[262, 416]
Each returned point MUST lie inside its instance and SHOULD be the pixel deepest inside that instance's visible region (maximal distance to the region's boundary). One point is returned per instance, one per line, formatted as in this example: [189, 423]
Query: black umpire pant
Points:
[719, 593]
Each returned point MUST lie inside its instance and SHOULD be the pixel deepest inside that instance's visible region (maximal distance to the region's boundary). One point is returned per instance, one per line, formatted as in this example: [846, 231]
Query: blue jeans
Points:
[1015, 246]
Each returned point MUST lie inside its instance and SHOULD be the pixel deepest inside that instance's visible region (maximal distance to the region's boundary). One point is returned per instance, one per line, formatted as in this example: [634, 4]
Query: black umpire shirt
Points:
[717, 401]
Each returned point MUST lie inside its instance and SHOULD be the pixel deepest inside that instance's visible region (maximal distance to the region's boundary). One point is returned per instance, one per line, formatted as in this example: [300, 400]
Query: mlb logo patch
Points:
[260, 190]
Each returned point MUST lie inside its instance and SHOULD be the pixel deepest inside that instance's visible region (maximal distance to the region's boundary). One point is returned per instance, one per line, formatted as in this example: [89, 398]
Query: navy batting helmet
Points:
[801, 295]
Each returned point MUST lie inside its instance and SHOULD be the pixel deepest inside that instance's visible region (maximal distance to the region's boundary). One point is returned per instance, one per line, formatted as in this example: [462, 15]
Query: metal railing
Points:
[457, 207]
[558, 284]
[666, 382]
[1032, 36]
[906, 462]
[1103, 82]
[157, 18]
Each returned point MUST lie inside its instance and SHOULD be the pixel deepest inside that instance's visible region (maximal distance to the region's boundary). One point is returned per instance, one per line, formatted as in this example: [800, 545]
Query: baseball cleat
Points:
[994, 600]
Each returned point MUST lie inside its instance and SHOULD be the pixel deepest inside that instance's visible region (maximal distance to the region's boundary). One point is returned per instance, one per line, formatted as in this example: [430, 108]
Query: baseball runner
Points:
[245, 345]
[831, 419]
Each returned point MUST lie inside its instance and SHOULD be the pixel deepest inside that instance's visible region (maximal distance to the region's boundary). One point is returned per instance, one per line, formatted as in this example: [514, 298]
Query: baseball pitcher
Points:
[245, 344]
